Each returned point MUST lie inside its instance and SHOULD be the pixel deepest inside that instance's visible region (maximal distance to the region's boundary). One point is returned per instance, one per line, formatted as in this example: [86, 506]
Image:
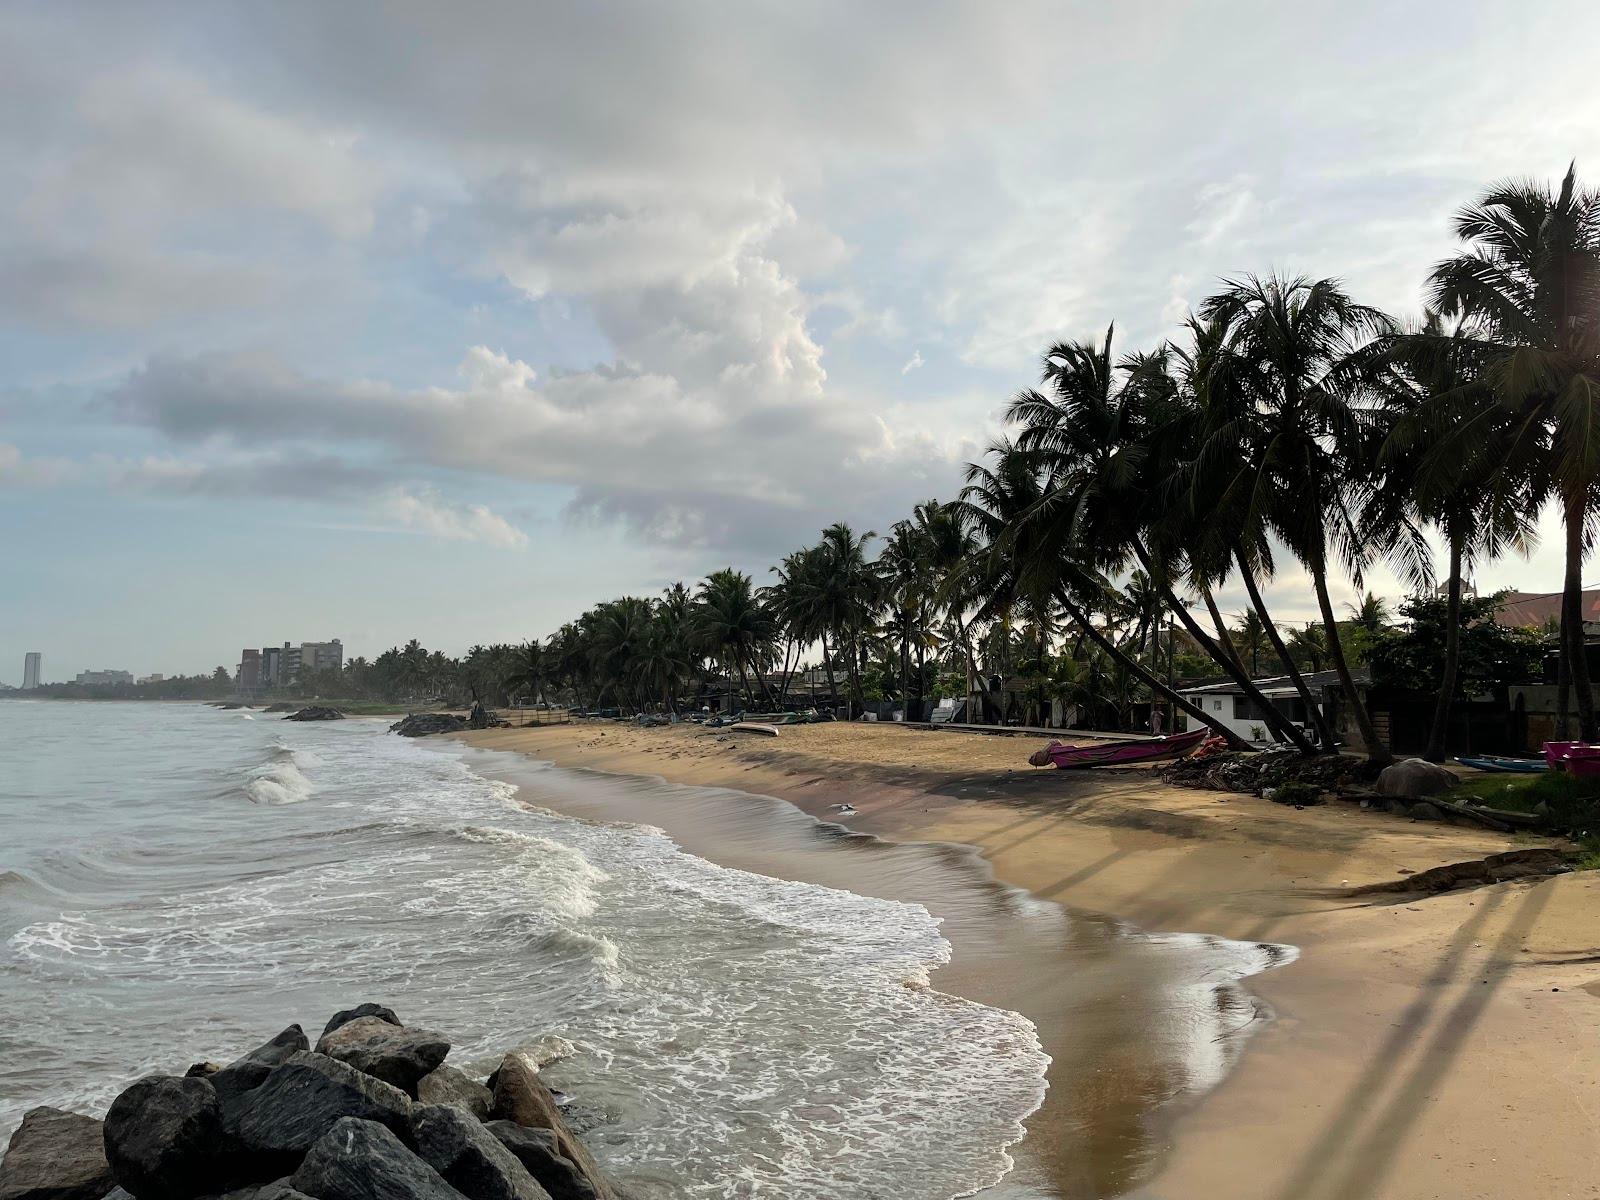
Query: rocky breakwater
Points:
[372, 1113]
[425, 724]
[316, 712]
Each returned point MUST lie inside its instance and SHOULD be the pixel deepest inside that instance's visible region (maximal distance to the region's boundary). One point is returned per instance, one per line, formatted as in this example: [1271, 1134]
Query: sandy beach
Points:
[1421, 1047]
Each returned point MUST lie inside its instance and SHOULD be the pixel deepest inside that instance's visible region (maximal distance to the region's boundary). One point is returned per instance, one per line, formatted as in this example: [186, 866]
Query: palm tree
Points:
[1371, 614]
[1107, 449]
[1299, 441]
[1026, 559]
[1480, 491]
[1251, 639]
[1309, 646]
[527, 672]
[902, 570]
[731, 622]
[1530, 282]
[850, 595]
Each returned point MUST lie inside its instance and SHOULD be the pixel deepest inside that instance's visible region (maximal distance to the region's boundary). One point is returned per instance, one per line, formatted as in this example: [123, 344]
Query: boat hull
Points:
[1070, 758]
[1493, 763]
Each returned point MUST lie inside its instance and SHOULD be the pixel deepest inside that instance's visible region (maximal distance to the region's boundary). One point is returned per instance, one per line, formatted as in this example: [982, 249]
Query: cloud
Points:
[912, 363]
[19, 470]
[424, 512]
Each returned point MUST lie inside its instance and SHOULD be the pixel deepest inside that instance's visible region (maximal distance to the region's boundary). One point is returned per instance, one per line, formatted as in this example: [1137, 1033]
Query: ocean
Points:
[179, 882]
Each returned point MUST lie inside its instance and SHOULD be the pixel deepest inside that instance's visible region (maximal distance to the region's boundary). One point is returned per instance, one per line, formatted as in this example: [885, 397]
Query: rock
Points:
[469, 1157]
[274, 1124]
[202, 1070]
[345, 1015]
[424, 724]
[385, 1051]
[248, 1072]
[278, 1189]
[520, 1096]
[1415, 777]
[1423, 811]
[162, 1137]
[536, 1150]
[446, 1085]
[362, 1160]
[316, 712]
[56, 1155]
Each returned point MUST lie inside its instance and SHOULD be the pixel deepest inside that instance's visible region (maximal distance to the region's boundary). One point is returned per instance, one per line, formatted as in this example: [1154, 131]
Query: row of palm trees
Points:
[1286, 422]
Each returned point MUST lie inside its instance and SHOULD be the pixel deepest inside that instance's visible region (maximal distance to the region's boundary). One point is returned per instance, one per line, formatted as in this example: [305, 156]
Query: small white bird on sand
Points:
[844, 810]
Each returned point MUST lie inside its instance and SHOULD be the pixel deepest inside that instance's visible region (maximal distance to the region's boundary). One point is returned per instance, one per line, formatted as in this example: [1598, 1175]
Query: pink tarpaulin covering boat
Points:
[1118, 753]
[1575, 758]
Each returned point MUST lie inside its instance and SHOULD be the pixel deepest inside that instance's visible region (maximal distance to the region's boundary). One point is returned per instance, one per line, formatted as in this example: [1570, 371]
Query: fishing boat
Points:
[1108, 754]
[1575, 758]
[1498, 763]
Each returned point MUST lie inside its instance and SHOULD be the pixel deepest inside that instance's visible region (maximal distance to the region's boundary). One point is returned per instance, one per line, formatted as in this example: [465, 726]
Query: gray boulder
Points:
[274, 1125]
[521, 1097]
[469, 1157]
[56, 1155]
[389, 1052]
[446, 1085]
[162, 1137]
[316, 712]
[362, 1160]
[1415, 777]
[345, 1015]
[536, 1150]
[251, 1070]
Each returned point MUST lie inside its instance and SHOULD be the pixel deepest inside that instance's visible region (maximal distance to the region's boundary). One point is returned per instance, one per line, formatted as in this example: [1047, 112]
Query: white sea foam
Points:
[741, 1032]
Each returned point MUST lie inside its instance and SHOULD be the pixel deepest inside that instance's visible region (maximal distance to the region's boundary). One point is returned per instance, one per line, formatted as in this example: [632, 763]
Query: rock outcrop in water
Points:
[424, 724]
[316, 712]
[372, 1114]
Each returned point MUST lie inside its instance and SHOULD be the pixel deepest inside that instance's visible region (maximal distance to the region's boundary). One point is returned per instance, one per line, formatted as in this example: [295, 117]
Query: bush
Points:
[1572, 802]
[1301, 794]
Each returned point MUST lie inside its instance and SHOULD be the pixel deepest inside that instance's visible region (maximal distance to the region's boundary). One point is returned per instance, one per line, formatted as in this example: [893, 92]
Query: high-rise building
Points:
[30, 670]
[249, 678]
[322, 656]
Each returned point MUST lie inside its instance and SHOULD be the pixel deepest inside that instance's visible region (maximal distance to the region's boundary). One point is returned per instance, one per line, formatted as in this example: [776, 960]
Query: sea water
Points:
[179, 882]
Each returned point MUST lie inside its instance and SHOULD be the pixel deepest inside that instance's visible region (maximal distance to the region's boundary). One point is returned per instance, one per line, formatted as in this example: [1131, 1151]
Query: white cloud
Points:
[912, 363]
[424, 512]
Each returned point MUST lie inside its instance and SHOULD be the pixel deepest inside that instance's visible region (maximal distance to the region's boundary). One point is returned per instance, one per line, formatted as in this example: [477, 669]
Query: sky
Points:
[391, 320]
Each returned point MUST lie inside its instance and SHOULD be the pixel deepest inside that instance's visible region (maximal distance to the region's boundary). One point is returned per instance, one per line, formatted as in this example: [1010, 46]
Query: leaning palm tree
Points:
[1030, 561]
[1299, 445]
[1530, 282]
[1106, 446]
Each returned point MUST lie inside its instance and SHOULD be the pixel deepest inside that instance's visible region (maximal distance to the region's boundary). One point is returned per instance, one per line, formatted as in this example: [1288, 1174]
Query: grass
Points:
[1571, 804]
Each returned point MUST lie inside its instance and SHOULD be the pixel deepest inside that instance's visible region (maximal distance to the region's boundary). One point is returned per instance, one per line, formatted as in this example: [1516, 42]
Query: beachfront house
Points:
[1227, 702]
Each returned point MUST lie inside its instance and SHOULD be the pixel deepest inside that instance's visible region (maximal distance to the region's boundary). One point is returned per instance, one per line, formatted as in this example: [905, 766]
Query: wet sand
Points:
[1440, 1047]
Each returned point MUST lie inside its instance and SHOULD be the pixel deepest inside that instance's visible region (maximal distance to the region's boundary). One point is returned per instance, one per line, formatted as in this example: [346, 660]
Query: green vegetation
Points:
[1572, 804]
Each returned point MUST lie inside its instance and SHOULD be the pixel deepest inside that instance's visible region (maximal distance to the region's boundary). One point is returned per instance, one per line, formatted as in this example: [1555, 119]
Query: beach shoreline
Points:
[1421, 1047]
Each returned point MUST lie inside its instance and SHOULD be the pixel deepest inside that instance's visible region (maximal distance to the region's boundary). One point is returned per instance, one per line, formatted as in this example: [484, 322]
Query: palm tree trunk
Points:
[1223, 636]
[1319, 719]
[857, 697]
[1573, 641]
[827, 666]
[1376, 751]
[744, 680]
[1452, 652]
[1082, 621]
[1270, 716]
[905, 665]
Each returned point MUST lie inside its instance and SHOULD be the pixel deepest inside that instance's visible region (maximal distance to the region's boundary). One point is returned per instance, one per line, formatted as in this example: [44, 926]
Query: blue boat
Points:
[1490, 762]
